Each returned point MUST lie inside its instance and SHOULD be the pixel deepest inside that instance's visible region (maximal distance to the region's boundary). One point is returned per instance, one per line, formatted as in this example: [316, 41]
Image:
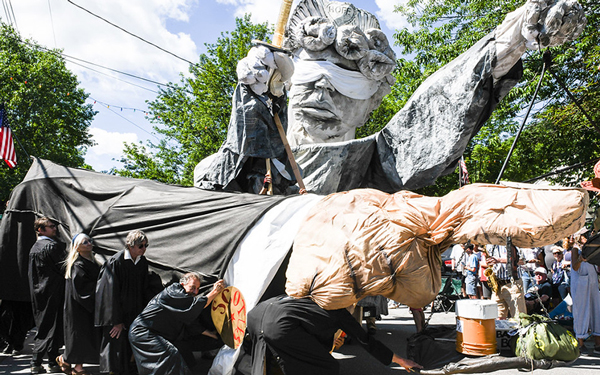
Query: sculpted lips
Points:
[318, 110]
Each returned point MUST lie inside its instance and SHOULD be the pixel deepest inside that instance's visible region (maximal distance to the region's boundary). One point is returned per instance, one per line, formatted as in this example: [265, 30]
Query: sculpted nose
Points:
[324, 84]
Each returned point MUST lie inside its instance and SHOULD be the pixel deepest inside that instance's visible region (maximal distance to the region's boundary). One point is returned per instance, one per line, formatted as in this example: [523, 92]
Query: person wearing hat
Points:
[560, 277]
[539, 298]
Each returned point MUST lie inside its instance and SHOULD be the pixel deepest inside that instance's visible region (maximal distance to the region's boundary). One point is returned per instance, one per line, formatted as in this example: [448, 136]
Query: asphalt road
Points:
[394, 330]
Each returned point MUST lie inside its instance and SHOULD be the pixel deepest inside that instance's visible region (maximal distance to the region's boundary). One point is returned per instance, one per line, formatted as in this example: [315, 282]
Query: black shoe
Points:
[8, 350]
[54, 368]
[38, 370]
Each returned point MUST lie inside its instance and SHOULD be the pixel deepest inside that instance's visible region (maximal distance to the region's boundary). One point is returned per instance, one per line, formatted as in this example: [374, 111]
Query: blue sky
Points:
[179, 26]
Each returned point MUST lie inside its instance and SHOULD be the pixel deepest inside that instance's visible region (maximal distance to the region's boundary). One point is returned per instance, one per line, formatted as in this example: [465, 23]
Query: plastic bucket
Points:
[476, 327]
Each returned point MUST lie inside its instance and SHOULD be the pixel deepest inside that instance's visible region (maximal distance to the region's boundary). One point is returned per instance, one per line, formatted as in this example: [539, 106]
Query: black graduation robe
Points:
[47, 289]
[82, 338]
[300, 334]
[156, 330]
[121, 294]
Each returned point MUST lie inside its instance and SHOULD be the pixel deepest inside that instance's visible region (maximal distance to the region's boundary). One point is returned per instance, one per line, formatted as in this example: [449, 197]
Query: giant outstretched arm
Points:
[424, 140]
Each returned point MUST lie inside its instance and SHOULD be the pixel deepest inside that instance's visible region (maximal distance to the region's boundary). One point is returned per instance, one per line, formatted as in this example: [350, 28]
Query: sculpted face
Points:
[320, 113]
[342, 71]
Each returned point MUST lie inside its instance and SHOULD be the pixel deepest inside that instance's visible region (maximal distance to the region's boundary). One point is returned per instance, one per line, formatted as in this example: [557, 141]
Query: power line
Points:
[118, 79]
[135, 36]
[52, 23]
[125, 118]
[13, 14]
[111, 69]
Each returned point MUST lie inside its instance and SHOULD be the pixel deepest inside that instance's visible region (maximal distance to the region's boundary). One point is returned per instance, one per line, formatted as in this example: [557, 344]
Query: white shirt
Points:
[456, 254]
[128, 256]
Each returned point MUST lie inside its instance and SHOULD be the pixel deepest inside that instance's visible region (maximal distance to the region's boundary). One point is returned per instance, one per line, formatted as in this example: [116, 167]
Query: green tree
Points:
[45, 108]
[193, 115]
[556, 133]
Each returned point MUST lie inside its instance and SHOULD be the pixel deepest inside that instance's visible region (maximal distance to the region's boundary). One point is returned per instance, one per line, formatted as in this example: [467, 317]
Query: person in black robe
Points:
[122, 292]
[82, 338]
[300, 334]
[16, 319]
[47, 289]
[156, 334]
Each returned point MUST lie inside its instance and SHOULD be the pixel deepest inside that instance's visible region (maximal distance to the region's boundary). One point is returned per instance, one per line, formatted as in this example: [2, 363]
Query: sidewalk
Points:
[393, 330]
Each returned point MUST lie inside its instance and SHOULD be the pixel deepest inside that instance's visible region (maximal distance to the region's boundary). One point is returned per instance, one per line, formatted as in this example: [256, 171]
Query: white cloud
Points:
[386, 14]
[109, 146]
[261, 10]
[86, 37]
[110, 143]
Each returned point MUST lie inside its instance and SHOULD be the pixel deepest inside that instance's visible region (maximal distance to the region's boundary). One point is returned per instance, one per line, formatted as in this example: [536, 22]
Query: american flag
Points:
[464, 174]
[7, 146]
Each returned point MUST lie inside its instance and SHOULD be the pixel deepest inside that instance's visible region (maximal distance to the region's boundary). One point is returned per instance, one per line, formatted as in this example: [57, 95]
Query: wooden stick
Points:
[288, 150]
[284, 13]
[270, 190]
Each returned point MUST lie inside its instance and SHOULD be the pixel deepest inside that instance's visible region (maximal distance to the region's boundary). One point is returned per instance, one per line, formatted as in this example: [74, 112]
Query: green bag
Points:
[541, 338]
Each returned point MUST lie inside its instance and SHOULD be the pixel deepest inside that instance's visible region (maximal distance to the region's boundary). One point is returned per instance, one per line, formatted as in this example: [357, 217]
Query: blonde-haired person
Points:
[82, 338]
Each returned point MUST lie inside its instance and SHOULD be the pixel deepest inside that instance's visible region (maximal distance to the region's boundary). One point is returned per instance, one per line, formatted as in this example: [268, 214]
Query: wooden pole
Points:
[284, 13]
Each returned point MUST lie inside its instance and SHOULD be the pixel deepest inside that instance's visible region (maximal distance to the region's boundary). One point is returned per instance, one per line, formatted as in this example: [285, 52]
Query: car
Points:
[447, 262]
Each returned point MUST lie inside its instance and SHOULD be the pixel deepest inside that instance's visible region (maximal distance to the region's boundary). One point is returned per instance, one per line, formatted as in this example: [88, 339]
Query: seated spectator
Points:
[560, 280]
[539, 298]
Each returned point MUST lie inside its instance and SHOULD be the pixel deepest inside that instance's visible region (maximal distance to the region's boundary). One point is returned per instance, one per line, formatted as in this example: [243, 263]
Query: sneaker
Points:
[596, 349]
[38, 370]
[8, 350]
[583, 350]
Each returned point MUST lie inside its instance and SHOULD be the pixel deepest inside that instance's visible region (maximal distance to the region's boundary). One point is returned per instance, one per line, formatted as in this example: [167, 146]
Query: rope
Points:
[512, 148]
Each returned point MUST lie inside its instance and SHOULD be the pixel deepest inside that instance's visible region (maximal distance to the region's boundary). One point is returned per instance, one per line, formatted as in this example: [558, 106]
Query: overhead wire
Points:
[124, 118]
[52, 24]
[130, 33]
[6, 12]
[13, 14]
[64, 55]
[104, 74]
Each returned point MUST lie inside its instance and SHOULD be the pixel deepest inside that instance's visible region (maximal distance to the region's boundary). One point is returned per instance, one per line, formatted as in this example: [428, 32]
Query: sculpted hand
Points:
[115, 332]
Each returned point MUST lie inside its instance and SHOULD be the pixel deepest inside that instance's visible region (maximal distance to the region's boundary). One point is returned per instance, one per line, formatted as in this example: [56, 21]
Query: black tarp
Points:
[189, 229]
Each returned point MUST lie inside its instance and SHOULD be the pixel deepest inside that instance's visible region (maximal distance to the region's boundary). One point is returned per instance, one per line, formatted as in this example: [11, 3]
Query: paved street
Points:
[393, 330]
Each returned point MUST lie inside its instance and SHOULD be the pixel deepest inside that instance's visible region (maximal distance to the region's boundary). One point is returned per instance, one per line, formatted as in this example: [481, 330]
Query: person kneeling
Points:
[299, 334]
[155, 332]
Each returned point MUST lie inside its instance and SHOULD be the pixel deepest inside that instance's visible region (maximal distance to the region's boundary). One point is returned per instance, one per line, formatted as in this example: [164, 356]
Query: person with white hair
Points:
[122, 292]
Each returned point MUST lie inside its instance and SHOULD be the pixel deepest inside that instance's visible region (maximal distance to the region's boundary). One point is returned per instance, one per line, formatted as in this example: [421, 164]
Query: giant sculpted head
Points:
[342, 71]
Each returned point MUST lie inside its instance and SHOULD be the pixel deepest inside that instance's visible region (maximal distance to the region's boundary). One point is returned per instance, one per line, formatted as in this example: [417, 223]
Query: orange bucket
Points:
[476, 327]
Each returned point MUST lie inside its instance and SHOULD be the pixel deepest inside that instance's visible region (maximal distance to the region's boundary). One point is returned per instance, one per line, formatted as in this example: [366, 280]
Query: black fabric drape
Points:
[189, 229]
